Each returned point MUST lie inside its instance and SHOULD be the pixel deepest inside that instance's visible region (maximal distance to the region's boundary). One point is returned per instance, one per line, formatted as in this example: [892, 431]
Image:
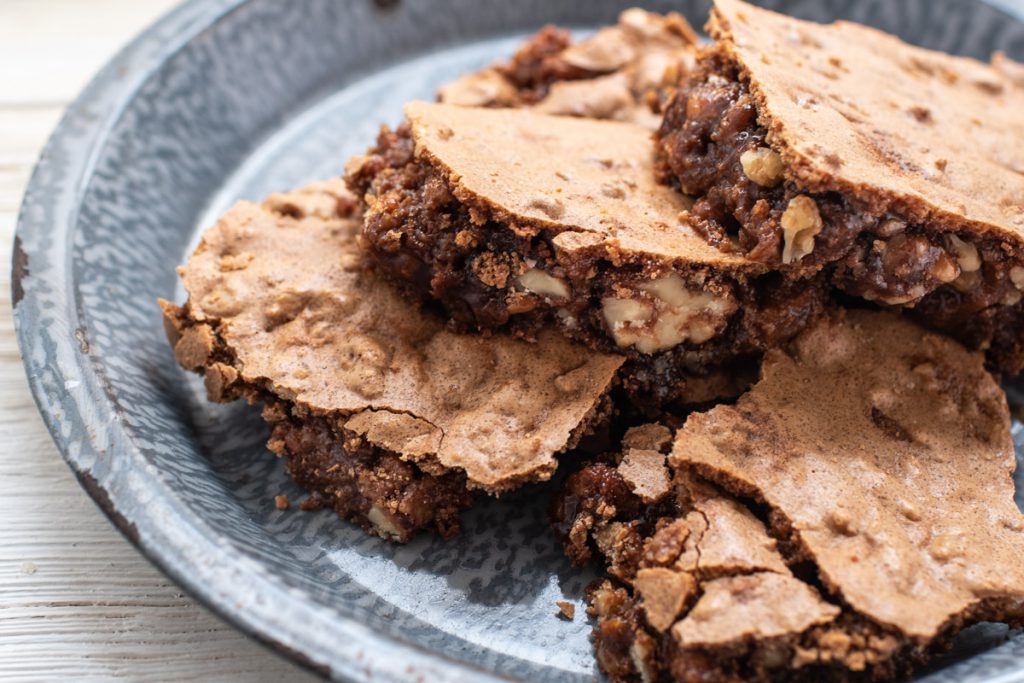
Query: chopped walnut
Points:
[967, 282]
[965, 253]
[945, 270]
[538, 282]
[890, 228]
[384, 523]
[622, 314]
[1017, 277]
[762, 165]
[672, 315]
[643, 652]
[801, 221]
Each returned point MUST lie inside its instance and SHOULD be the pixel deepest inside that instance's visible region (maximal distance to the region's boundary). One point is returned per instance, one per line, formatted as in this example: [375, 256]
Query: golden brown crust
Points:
[731, 540]
[757, 606]
[283, 286]
[645, 473]
[885, 454]
[923, 134]
[581, 179]
[612, 74]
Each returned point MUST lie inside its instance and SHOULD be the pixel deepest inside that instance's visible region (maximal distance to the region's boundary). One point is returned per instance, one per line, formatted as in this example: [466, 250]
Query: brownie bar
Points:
[518, 221]
[370, 486]
[619, 73]
[796, 159]
[383, 415]
[844, 520]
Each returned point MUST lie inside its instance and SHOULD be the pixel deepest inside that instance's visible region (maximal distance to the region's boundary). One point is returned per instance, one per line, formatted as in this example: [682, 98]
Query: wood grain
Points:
[77, 601]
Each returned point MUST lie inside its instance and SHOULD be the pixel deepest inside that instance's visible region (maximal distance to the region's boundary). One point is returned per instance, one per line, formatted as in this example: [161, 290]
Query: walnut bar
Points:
[908, 195]
[519, 221]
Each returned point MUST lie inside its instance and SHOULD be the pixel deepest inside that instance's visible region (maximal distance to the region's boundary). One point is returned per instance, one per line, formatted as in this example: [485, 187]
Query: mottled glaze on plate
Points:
[228, 99]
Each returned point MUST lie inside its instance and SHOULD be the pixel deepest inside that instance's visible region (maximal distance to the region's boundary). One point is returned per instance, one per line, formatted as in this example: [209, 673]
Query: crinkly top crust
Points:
[589, 181]
[887, 451]
[757, 606]
[624, 63]
[927, 135]
[282, 284]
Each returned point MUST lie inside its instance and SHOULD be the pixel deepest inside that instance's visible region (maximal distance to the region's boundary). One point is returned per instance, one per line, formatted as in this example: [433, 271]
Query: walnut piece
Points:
[967, 282]
[538, 282]
[1017, 277]
[762, 165]
[801, 221]
[891, 228]
[945, 269]
[672, 315]
[965, 253]
[383, 523]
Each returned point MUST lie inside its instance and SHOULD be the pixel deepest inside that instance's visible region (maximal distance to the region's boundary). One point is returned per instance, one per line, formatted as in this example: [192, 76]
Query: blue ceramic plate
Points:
[228, 99]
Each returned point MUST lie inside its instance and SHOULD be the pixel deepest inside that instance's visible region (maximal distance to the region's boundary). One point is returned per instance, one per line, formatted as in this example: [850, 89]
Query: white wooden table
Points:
[77, 601]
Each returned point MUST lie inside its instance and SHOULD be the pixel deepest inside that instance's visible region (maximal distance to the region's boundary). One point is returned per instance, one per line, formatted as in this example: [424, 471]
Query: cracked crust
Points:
[845, 519]
[891, 146]
[885, 453]
[281, 311]
[700, 590]
[618, 73]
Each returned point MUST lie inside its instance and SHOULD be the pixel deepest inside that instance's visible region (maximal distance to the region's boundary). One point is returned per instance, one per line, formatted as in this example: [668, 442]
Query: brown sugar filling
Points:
[478, 271]
[712, 147]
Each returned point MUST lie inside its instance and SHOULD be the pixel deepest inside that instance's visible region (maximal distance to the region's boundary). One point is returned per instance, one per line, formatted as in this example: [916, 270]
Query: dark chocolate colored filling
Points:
[440, 250]
[713, 120]
[343, 472]
[537, 64]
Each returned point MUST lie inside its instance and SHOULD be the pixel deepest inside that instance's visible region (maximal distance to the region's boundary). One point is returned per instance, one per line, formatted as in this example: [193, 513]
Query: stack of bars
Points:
[781, 273]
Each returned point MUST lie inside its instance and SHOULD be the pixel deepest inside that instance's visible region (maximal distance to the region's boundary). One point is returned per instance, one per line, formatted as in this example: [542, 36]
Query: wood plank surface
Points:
[77, 601]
